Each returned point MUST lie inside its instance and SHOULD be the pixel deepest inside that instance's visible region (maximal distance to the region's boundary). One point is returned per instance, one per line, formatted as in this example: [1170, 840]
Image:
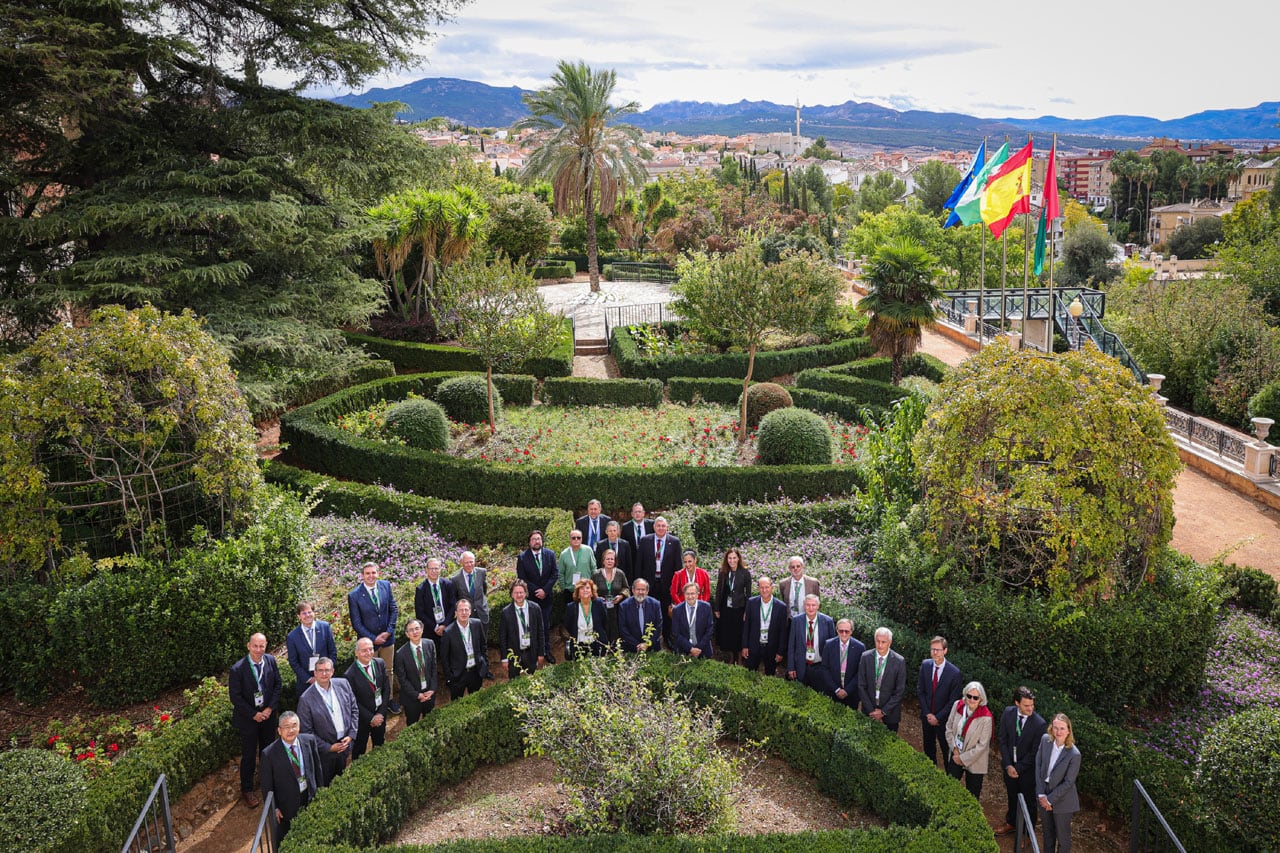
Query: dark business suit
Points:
[301, 651]
[622, 550]
[848, 680]
[411, 679]
[521, 660]
[369, 619]
[464, 679]
[281, 778]
[893, 684]
[811, 587]
[424, 608]
[372, 699]
[754, 652]
[704, 624]
[599, 624]
[475, 591]
[629, 623]
[797, 649]
[586, 526]
[315, 719]
[242, 686]
[1060, 789]
[937, 701]
[633, 532]
[544, 579]
[659, 576]
[1019, 752]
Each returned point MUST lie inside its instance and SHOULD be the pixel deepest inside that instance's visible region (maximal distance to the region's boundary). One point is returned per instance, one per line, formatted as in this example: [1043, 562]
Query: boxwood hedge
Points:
[428, 358]
[863, 390]
[767, 364]
[581, 391]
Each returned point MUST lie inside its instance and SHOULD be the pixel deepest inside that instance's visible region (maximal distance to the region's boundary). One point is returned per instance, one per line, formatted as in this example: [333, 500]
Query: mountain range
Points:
[481, 105]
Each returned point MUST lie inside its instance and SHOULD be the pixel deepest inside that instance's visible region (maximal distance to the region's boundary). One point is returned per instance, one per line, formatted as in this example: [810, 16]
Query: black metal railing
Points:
[1148, 830]
[637, 315]
[1088, 327]
[1023, 827]
[1209, 434]
[947, 310]
[1271, 466]
[264, 840]
[993, 306]
[153, 831]
[643, 271]
[990, 332]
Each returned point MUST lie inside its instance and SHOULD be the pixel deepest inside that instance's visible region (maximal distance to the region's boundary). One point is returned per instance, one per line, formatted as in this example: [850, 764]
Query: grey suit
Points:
[893, 683]
[784, 593]
[479, 598]
[315, 719]
[1060, 791]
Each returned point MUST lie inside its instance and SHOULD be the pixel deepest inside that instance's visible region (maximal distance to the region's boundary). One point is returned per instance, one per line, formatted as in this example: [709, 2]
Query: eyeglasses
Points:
[575, 538]
[973, 696]
[843, 631]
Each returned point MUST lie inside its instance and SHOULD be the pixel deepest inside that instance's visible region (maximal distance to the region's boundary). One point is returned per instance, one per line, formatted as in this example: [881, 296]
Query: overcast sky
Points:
[993, 58]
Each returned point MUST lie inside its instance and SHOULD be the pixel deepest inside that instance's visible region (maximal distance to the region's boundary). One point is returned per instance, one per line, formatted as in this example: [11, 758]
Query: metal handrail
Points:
[636, 315]
[643, 271]
[1023, 825]
[159, 835]
[264, 840]
[1210, 434]
[1137, 825]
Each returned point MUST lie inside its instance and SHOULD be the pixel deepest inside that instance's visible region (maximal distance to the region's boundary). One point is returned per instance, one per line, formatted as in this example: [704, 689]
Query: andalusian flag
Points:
[1008, 192]
[967, 209]
[1050, 210]
[958, 193]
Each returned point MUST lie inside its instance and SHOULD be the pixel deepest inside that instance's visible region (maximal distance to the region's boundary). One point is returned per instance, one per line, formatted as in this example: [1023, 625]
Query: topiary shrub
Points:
[1238, 767]
[421, 423]
[466, 400]
[1251, 589]
[794, 437]
[42, 799]
[1266, 404]
[764, 398]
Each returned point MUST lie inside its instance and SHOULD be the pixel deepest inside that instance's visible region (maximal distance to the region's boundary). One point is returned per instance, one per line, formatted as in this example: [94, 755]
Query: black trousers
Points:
[253, 740]
[1025, 785]
[753, 664]
[364, 733]
[282, 826]
[413, 709]
[934, 737]
[334, 763]
[972, 781]
[469, 682]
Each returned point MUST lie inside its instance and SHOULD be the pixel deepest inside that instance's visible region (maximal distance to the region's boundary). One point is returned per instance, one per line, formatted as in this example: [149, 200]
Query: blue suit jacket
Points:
[779, 629]
[242, 685]
[629, 623]
[831, 663]
[370, 621]
[938, 702]
[703, 627]
[796, 661]
[300, 652]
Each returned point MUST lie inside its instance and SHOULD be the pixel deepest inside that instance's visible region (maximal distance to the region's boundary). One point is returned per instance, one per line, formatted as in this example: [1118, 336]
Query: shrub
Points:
[1238, 765]
[430, 358]
[1266, 404]
[553, 269]
[42, 799]
[762, 399]
[719, 526]
[421, 423]
[686, 389]
[1251, 589]
[794, 437]
[581, 391]
[520, 226]
[465, 399]
[856, 388]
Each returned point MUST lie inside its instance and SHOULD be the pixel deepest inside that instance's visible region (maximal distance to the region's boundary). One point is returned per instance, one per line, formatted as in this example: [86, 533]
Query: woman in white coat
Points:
[969, 728]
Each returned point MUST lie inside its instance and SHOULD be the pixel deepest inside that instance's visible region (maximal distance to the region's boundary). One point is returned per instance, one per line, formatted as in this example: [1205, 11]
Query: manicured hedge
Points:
[429, 358]
[300, 392]
[863, 390]
[720, 526]
[312, 443]
[767, 364]
[853, 759]
[580, 262]
[469, 523]
[683, 389]
[881, 369]
[553, 269]
[848, 408]
[581, 391]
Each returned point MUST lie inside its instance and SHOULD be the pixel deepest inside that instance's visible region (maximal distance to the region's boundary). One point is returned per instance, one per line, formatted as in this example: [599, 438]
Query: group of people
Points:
[634, 586]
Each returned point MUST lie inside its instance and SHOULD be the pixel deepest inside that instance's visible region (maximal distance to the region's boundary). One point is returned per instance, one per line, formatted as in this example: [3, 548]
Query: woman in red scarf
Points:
[969, 736]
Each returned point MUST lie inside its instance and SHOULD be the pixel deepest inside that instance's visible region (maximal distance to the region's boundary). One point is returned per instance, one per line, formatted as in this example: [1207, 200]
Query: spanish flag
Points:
[1008, 192]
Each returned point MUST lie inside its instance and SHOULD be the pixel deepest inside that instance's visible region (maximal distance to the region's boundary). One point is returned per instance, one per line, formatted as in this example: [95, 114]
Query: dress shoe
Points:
[252, 800]
[394, 709]
[1004, 829]
[551, 658]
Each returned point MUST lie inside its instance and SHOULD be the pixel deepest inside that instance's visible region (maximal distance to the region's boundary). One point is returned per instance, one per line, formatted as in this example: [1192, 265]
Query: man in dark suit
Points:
[521, 636]
[765, 630]
[657, 561]
[640, 620]
[840, 658]
[470, 583]
[882, 681]
[692, 624]
[433, 604]
[464, 652]
[637, 528]
[592, 525]
[254, 688]
[796, 585]
[808, 634]
[416, 671]
[372, 687]
[310, 641]
[537, 567]
[938, 689]
[328, 710]
[374, 615]
[1021, 729]
[624, 554]
[291, 771]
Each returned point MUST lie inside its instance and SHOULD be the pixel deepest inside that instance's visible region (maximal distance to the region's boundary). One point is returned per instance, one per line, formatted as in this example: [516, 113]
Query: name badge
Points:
[257, 699]
[877, 697]
[311, 663]
[471, 660]
[811, 656]
[377, 698]
[423, 688]
[608, 604]
[302, 783]
[576, 577]
[524, 641]
[439, 614]
[764, 635]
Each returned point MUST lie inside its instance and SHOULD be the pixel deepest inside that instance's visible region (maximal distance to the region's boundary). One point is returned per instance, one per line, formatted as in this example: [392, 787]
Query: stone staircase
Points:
[590, 346]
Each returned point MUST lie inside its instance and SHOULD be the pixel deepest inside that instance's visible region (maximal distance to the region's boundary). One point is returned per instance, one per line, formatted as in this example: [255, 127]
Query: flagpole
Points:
[1004, 261]
[982, 277]
[1048, 344]
[1026, 262]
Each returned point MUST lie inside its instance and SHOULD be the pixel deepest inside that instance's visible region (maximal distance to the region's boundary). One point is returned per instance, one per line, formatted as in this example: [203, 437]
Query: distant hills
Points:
[480, 105]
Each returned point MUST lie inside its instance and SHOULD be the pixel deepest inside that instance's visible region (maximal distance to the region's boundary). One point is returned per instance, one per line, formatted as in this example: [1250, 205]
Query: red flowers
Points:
[54, 739]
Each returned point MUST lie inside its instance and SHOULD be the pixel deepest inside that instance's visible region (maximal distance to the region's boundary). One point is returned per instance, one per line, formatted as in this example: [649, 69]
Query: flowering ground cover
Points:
[1243, 670]
[400, 550]
[673, 434]
[834, 559]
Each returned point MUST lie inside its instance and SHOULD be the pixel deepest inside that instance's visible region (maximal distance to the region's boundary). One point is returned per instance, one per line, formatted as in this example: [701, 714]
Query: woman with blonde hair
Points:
[585, 621]
[969, 728]
[1057, 766]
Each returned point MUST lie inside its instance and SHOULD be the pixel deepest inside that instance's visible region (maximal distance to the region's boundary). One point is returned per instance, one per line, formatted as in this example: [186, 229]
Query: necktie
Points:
[1020, 719]
[844, 657]
[640, 608]
[795, 595]
[809, 639]
[693, 624]
[295, 760]
[537, 560]
[311, 638]
[373, 593]
[471, 584]
[659, 555]
[524, 627]
[879, 671]
[257, 673]
[935, 686]
[435, 591]
[417, 653]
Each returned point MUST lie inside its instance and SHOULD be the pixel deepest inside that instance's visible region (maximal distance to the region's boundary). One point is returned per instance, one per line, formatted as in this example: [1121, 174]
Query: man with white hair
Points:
[793, 588]
[469, 583]
[882, 680]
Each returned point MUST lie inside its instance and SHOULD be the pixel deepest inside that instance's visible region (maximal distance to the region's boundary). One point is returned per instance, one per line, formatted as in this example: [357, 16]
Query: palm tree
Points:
[900, 299]
[588, 158]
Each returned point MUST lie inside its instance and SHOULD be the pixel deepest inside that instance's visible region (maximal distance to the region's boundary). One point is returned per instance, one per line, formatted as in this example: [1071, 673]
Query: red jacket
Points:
[700, 577]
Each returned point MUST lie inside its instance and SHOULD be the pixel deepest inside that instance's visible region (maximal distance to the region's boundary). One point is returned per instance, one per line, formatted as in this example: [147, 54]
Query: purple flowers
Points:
[834, 560]
[400, 550]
